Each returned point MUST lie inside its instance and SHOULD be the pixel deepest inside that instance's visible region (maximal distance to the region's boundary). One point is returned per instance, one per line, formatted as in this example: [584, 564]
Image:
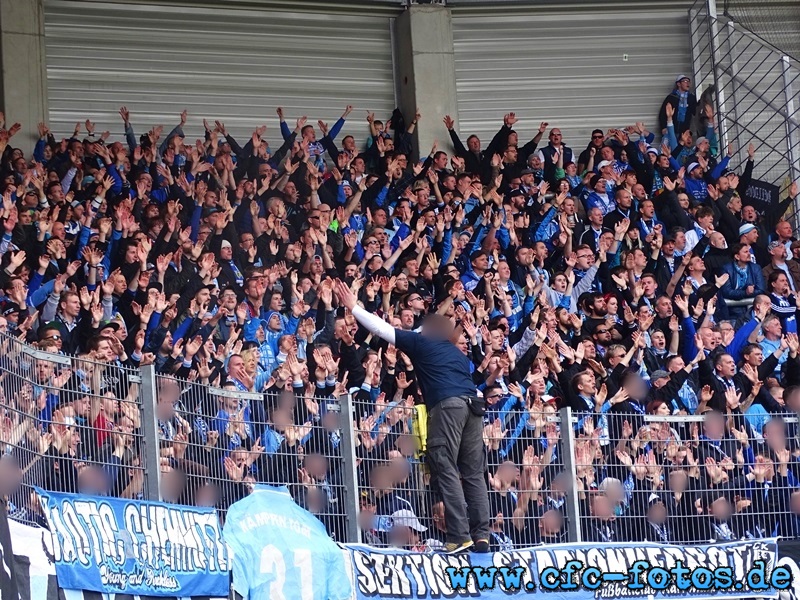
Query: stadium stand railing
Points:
[83, 426]
[73, 424]
[753, 86]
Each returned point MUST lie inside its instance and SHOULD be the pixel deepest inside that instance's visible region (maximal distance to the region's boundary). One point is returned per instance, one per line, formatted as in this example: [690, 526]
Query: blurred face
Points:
[602, 507]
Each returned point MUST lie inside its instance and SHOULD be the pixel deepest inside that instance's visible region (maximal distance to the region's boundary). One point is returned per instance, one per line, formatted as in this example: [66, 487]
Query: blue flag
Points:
[118, 546]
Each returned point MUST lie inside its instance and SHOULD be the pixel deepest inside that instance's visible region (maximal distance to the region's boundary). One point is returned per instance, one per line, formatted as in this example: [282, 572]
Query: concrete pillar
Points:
[23, 85]
[426, 71]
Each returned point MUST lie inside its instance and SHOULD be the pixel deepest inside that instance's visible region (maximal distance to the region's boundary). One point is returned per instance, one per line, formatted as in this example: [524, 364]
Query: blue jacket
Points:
[734, 290]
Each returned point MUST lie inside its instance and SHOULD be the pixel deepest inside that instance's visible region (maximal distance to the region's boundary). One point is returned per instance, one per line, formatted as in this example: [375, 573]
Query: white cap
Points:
[407, 518]
[681, 77]
[225, 244]
[604, 163]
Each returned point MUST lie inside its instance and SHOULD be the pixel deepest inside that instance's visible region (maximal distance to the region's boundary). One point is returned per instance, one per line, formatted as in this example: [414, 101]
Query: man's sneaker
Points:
[457, 548]
[481, 546]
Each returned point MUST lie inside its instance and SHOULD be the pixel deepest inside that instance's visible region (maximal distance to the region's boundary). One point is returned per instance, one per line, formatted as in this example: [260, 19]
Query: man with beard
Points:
[594, 305]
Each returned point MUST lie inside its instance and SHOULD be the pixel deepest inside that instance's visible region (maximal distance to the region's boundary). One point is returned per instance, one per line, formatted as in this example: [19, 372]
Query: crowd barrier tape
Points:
[183, 546]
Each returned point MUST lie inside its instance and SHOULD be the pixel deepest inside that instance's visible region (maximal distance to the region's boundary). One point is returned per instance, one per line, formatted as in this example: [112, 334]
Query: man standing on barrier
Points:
[455, 421]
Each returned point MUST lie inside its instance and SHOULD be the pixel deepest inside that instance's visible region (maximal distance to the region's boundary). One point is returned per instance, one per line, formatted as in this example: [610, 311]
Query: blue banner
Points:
[745, 569]
[120, 546]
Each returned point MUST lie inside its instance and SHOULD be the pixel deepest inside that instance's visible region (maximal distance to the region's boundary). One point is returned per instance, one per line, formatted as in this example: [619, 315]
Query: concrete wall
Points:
[426, 71]
[23, 85]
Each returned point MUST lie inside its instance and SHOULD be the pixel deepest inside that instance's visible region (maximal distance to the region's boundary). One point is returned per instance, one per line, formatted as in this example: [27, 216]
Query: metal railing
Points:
[78, 424]
[73, 424]
[753, 86]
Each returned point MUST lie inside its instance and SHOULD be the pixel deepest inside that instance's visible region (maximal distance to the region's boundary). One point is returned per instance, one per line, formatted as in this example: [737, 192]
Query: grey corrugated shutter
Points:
[230, 63]
[578, 68]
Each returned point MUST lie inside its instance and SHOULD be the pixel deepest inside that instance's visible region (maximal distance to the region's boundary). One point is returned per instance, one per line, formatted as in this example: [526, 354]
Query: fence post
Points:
[350, 476]
[568, 450]
[151, 454]
[730, 42]
[713, 33]
[793, 142]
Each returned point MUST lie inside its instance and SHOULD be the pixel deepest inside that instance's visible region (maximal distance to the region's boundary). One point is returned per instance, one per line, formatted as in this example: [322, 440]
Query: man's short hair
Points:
[704, 211]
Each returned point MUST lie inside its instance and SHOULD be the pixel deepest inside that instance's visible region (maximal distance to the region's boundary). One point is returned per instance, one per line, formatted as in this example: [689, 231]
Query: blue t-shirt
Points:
[281, 550]
[442, 370]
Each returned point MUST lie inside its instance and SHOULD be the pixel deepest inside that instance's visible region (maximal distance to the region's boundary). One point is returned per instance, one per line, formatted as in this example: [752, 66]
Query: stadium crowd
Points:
[623, 278]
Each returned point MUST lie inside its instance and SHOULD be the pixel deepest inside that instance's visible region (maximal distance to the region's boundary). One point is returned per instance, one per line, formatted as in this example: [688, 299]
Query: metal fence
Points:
[688, 479]
[83, 425]
[73, 424]
[753, 86]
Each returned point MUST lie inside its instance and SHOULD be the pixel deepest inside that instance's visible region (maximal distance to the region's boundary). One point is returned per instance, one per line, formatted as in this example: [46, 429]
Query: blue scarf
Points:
[741, 276]
[683, 105]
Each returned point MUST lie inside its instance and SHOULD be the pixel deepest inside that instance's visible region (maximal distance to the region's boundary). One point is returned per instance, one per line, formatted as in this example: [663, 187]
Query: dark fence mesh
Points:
[776, 21]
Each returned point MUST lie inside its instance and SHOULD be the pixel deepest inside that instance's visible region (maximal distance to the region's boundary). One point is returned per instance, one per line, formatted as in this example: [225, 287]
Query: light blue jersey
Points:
[281, 551]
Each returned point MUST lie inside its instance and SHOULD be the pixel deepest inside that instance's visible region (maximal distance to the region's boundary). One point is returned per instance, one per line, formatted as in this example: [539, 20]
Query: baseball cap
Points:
[603, 163]
[700, 140]
[407, 518]
[773, 245]
[515, 192]
[527, 171]
[746, 228]
[109, 324]
[692, 167]
[681, 77]
[659, 374]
